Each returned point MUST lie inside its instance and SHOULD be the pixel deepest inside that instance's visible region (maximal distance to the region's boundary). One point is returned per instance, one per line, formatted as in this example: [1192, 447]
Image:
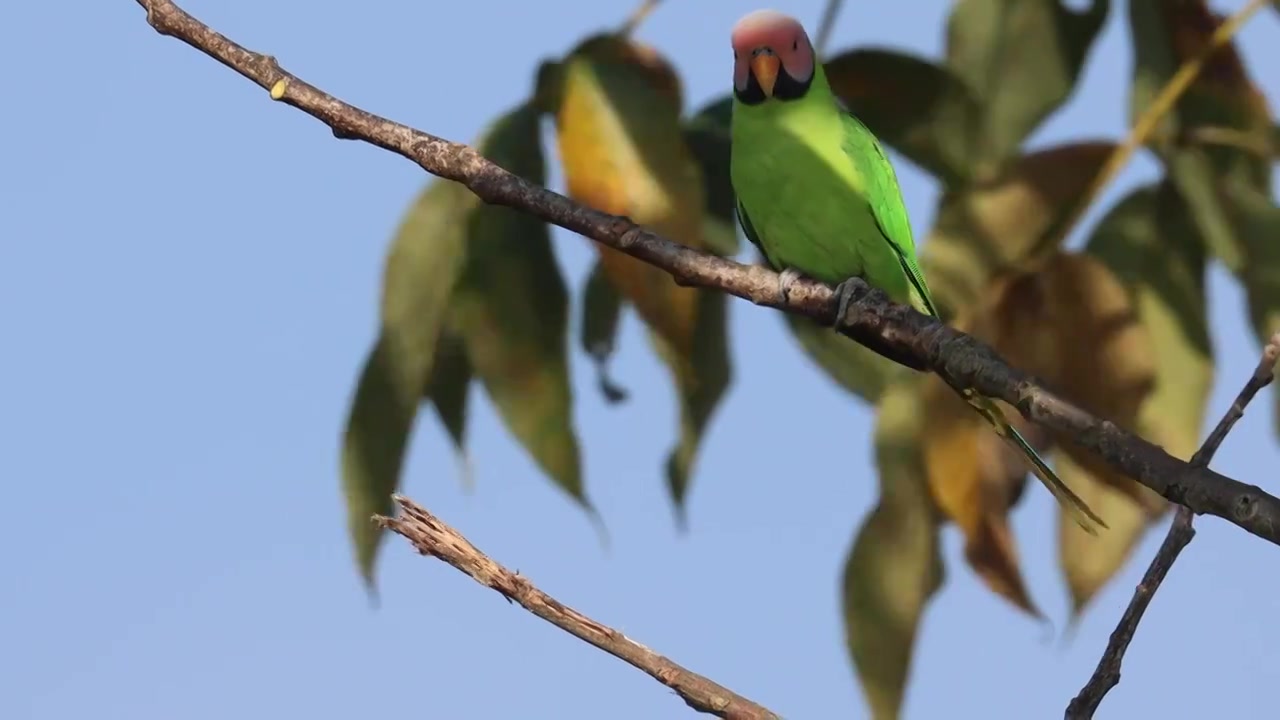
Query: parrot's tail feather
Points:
[1079, 510]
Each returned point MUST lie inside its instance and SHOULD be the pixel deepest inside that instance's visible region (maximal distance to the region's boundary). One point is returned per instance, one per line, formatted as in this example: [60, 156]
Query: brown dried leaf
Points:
[1107, 360]
[993, 228]
[1071, 324]
[974, 477]
[1152, 247]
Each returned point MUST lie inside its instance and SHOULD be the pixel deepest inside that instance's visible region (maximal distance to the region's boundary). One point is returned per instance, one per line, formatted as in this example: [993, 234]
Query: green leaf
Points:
[701, 380]
[601, 310]
[1256, 215]
[447, 391]
[511, 310]
[918, 108]
[895, 564]
[443, 257]
[624, 151]
[852, 365]
[707, 134]
[421, 269]
[1022, 58]
[1000, 225]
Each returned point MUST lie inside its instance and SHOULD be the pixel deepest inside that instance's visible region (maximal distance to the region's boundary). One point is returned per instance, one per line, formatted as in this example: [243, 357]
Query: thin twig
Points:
[1208, 135]
[894, 330]
[1150, 118]
[434, 538]
[1181, 531]
[826, 25]
[638, 16]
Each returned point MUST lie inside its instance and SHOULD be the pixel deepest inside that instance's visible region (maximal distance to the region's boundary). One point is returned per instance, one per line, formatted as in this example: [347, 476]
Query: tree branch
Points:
[434, 538]
[1107, 674]
[894, 330]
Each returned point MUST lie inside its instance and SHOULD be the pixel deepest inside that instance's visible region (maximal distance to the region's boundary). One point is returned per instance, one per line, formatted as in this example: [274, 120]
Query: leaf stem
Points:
[1209, 135]
[826, 25]
[638, 16]
[1146, 123]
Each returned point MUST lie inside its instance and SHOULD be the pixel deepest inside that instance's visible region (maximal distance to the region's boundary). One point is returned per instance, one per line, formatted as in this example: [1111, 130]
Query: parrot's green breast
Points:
[802, 195]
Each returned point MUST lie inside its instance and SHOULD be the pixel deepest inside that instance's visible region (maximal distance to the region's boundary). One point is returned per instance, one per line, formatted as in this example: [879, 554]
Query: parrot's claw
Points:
[844, 293]
[786, 279]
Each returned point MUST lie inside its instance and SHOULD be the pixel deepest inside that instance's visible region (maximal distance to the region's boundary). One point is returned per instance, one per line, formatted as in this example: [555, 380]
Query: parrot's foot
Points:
[786, 279]
[844, 294]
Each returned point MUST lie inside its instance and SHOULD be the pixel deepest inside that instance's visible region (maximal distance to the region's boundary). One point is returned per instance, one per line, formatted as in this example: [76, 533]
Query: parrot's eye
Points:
[795, 44]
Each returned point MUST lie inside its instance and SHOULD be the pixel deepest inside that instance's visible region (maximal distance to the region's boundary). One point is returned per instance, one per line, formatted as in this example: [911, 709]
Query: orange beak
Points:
[765, 65]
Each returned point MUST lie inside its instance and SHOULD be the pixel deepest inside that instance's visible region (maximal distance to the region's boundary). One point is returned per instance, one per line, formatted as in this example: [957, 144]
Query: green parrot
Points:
[818, 197]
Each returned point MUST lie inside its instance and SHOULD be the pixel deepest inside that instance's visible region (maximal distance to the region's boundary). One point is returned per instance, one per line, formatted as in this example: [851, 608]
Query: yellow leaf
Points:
[974, 477]
[894, 565]
[1089, 561]
[625, 152]
[1071, 324]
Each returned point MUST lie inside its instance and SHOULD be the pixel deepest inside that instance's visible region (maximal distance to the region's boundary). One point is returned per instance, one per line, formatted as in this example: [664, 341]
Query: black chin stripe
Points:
[753, 95]
[786, 88]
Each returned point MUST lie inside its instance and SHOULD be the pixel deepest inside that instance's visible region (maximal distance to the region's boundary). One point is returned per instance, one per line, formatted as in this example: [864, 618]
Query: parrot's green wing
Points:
[750, 231]
[885, 199]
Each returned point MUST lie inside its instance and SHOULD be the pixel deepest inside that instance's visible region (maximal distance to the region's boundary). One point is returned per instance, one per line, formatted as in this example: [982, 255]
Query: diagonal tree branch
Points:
[1107, 674]
[894, 330]
[432, 537]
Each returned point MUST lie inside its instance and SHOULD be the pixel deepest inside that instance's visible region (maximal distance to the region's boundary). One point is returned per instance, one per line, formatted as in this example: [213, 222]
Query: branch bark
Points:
[1181, 531]
[894, 330]
[434, 538]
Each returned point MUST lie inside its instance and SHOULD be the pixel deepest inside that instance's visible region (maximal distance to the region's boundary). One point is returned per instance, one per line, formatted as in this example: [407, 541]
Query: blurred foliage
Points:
[1118, 325]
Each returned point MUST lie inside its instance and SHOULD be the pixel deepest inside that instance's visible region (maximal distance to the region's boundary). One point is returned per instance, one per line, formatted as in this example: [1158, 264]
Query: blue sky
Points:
[189, 277]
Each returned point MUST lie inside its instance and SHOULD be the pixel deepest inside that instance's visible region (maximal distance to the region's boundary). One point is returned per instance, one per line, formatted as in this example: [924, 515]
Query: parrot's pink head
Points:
[772, 58]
